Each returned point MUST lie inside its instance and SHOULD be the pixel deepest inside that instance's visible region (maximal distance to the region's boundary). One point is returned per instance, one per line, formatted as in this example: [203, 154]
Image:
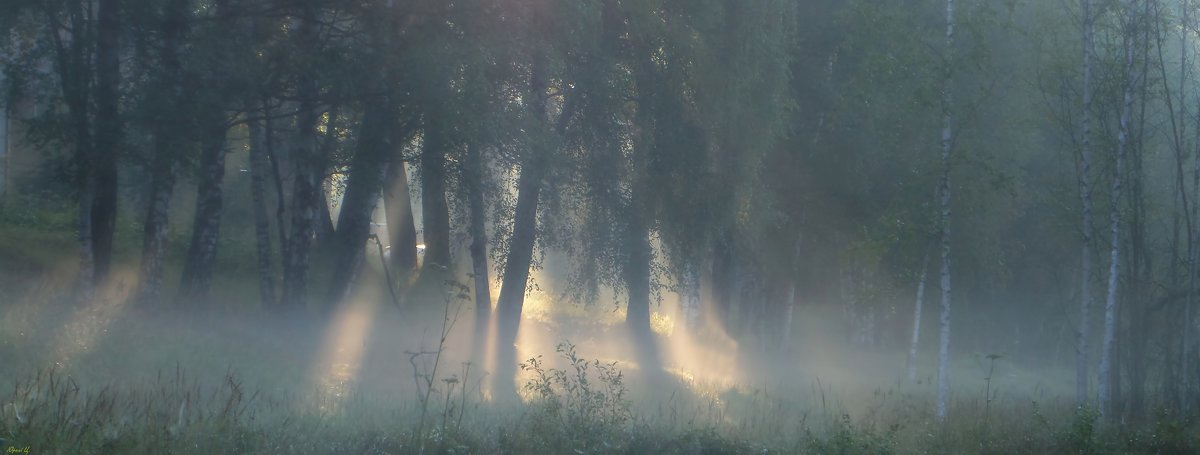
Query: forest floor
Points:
[111, 377]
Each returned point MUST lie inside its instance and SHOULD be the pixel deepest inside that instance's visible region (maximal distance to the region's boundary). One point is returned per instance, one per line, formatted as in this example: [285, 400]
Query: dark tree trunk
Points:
[306, 197]
[516, 274]
[71, 60]
[402, 231]
[638, 256]
[165, 163]
[306, 194]
[520, 246]
[276, 179]
[108, 136]
[362, 194]
[154, 237]
[262, 224]
[473, 180]
[435, 212]
[325, 229]
[206, 226]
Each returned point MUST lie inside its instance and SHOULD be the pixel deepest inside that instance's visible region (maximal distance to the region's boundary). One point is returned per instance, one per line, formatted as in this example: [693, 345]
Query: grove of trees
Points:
[758, 156]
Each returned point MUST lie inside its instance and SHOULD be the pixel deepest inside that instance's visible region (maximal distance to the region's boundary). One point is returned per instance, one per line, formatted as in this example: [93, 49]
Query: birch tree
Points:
[165, 161]
[1084, 167]
[1110, 305]
[947, 139]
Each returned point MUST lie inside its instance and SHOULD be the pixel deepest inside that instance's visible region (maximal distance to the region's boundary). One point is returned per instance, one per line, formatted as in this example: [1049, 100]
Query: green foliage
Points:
[583, 405]
[1080, 436]
[847, 438]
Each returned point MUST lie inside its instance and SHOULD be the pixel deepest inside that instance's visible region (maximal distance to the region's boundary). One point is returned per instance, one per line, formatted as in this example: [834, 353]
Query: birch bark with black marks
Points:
[165, 162]
[196, 282]
[947, 139]
[1084, 170]
[1105, 385]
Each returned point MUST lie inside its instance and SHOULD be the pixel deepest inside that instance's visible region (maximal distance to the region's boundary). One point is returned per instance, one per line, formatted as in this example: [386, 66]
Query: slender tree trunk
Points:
[107, 136]
[196, 281]
[638, 256]
[325, 230]
[943, 384]
[165, 163]
[262, 224]
[516, 275]
[520, 245]
[916, 327]
[306, 193]
[277, 181]
[1110, 305]
[74, 71]
[154, 239]
[1082, 348]
[83, 158]
[362, 195]
[435, 212]
[402, 231]
[474, 182]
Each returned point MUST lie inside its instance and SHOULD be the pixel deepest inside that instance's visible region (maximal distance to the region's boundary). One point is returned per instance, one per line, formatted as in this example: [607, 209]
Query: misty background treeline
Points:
[751, 158]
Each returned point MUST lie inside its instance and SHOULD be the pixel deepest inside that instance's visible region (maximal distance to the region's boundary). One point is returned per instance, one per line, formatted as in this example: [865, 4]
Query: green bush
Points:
[571, 408]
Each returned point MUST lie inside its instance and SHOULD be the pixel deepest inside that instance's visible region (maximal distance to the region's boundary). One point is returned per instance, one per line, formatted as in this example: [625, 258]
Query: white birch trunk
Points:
[943, 374]
[1110, 305]
[1085, 197]
[916, 330]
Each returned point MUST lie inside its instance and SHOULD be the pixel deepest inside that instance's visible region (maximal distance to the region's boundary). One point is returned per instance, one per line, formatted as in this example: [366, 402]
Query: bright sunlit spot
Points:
[959, 226]
[90, 324]
[340, 357]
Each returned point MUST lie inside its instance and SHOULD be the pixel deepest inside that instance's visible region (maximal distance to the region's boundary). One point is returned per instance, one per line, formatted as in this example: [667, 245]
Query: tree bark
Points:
[262, 224]
[435, 212]
[196, 281]
[107, 136]
[520, 245]
[154, 238]
[397, 203]
[943, 373]
[516, 275]
[638, 256]
[362, 194]
[1110, 305]
[165, 163]
[1085, 197]
[474, 182]
[72, 62]
[306, 193]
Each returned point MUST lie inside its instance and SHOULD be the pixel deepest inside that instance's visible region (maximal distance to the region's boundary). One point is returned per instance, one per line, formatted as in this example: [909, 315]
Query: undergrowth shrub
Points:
[844, 437]
[572, 408]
